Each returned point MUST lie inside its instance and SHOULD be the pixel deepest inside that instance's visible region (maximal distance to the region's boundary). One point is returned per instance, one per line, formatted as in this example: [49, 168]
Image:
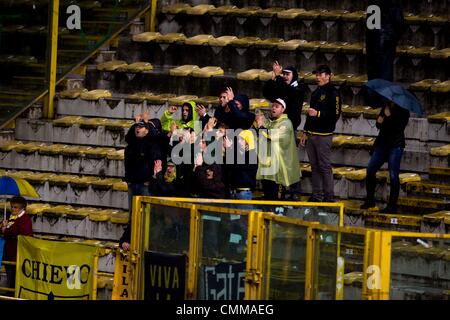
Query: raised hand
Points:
[276, 69]
[201, 110]
[230, 93]
[173, 109]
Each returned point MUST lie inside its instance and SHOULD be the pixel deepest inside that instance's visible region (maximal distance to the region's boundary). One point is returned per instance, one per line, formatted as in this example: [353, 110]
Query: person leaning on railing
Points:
[18, 223]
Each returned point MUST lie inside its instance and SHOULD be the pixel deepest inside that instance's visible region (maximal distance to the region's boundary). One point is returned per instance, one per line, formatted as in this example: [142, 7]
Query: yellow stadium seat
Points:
[40, 178]
[246, 11]
[146, 36]
[259, 103]
[105, 184]
[120, 186]
[52, 149]
[408, 177]
[95, 95]
[245, 41]
[442, 117]
[252, 74]
[9, 145]
[136, 67]
[342, 171]
[443, 87]
[198, 40]
[435, 20]
[442, 151]
[290, 45]
[423, 85]
[438, 216]
[440, 54]
[120, 217]
[413, 19]
[199, 10]
[183, 71]
[428, 187]
[175, 8]
[160, 98]
[92, 152]
[222, 10]
[421, 52]
[354, 16]
[355, 175]
[371, 113]
[178, 101]
[332, 15]
[62, 179]
[208, 100]
[290, 13]
[222, 41]
[269, 12]
[91, 122]
[67, 121]
[29, 147]
[310, 46]
[330, 47]
[36, 208]
[83, 182]
[352, 111]
[171, 38]
[72, 93]
[111, 65]
[352, 48]
[309, 14]
[353, 277]
[100, 215]
[80, 213]
[58, 211]
[140, 96]
[116, 155]
[208, 72]
[268, 43]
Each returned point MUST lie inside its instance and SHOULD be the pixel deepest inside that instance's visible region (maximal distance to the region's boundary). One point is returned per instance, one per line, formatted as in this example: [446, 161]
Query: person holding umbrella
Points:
[392, 120]
[18, 223]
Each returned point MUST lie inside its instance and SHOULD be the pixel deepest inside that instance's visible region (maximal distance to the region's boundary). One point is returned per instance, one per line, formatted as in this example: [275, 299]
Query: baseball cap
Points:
[322, 69]
[141, 123]
[281, 101]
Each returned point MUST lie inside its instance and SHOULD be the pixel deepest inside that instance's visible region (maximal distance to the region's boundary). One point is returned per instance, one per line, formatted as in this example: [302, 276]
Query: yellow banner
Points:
[122, 278]
[53, 270]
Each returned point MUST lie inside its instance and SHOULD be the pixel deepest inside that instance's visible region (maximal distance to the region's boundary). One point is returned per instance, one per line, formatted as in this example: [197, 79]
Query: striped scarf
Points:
[12, 218]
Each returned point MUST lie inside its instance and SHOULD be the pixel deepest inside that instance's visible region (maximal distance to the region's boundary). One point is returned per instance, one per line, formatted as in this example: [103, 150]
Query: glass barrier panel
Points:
[285, 261]
[349, 248]
[222, 255]
[169, 229]
[420, 269]
[328, 215]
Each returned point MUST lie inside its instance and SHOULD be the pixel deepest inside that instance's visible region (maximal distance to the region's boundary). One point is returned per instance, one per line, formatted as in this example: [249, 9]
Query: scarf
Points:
[170, 177]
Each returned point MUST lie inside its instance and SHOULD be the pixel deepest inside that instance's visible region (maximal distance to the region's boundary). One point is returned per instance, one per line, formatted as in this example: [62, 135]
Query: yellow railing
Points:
[284, 257]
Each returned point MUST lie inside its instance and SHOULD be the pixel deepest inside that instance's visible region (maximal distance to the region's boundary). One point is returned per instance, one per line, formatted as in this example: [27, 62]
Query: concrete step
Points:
[310, 25]
[354, 121]
[159, 79]
[77, 190]
[410, 65]
[100, 225]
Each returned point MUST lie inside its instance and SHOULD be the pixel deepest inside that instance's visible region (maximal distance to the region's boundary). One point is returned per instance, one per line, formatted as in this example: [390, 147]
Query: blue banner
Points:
[2, 243]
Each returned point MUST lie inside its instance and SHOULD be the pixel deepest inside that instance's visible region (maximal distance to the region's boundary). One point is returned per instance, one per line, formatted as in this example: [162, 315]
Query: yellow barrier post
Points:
[309, 264]
[193, 253]
[376, 279]
[49, 107]
[135, 246]
[94, 284]
[150, 17]
[255, 252]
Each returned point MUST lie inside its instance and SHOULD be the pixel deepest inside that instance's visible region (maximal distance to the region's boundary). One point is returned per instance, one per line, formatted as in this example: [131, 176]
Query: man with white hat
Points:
[278, 161]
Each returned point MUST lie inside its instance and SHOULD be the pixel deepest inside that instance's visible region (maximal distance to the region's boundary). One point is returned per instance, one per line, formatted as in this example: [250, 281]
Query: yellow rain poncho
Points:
[192, 123]
[278, 160]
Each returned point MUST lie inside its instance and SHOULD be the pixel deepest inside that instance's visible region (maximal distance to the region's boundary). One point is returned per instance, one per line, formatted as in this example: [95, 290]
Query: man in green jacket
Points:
[278, 159]
[188, 118]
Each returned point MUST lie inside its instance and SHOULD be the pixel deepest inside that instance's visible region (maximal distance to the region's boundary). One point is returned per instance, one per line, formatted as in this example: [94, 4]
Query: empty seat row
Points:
[293, 13]
[285, 45]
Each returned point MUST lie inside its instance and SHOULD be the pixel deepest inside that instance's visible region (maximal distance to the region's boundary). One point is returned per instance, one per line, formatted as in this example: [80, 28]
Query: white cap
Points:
[281, 101]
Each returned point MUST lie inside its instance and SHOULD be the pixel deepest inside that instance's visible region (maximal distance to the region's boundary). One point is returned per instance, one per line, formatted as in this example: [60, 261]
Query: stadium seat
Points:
[95, 95]
[111, 65]
[183, 71]
[136, 67]
[208, 72]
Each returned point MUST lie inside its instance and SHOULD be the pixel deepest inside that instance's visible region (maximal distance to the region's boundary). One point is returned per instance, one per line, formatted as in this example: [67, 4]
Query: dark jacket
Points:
[160, 188]
[292, 94]
[140, 155]
[392, 130]
[242, 175]
[235, 118]
[392, 25]
[22, 226]
[126, 235]
[209, 189]
[327, 101]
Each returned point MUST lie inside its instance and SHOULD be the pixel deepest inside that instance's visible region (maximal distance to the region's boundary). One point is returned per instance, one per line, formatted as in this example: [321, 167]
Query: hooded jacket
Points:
[279, 163]
[392, 130]
[235, 118]
[140, 154]
[293, 94]
[190, 123]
